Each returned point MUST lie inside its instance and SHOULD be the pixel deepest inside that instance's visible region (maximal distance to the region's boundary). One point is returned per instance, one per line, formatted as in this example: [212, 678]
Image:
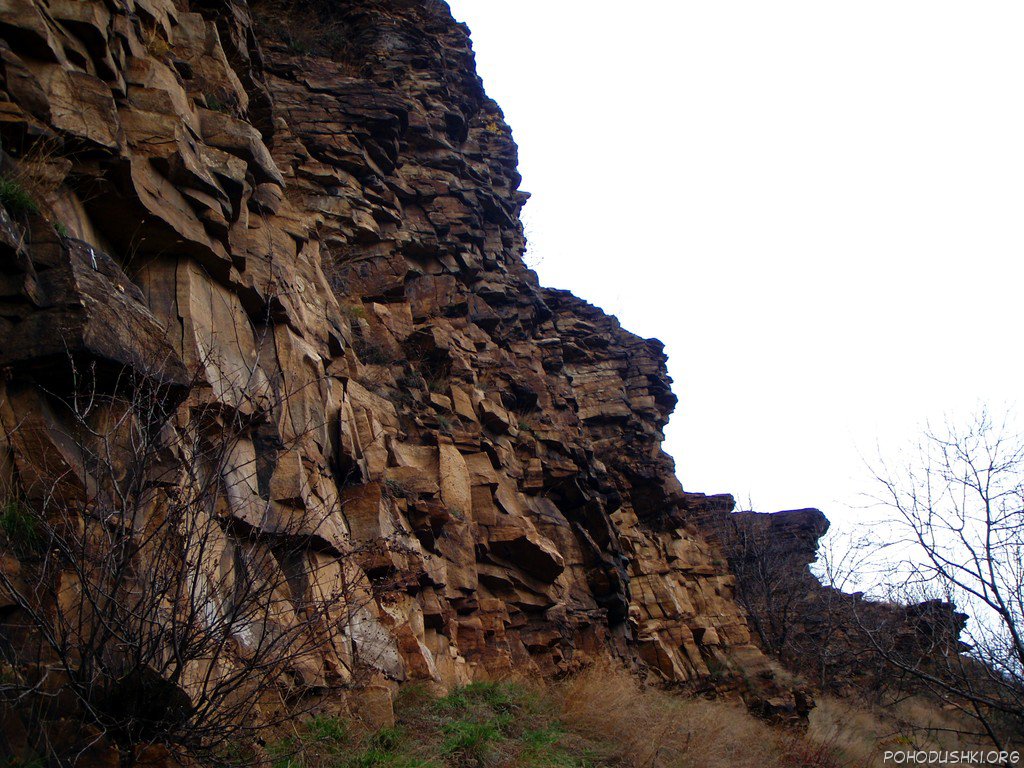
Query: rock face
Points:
[308, 215]
[836, 640]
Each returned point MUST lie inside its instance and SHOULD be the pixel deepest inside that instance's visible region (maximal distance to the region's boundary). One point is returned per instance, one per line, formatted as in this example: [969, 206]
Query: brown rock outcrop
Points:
[837, 641]
[312, 222]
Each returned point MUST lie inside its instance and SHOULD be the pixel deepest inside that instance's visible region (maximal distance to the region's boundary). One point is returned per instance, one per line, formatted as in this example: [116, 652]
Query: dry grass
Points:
[859, 734]
[633, 726]
[862, 734]
[29, 185]
[603, 718]
[155, 42]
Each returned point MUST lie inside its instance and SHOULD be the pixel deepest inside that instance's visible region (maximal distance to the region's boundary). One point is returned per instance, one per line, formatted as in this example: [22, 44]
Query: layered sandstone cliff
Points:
[307, 214]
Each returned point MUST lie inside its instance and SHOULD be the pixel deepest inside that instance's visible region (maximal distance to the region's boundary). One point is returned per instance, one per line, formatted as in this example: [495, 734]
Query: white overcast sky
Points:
[818, 206]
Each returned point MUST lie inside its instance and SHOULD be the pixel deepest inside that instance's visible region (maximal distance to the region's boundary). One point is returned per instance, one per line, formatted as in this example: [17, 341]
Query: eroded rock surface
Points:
[321, 231]
[837, 640]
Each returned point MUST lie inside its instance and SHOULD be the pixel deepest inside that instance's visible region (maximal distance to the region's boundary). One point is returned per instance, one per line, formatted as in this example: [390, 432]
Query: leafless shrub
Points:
[306, 27]
[159, 596]
[767, 585]
[956, 507]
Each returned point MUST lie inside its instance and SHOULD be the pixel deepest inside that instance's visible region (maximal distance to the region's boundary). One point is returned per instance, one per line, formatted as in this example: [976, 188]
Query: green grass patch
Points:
[501, 697]
[543, 748]
[20, 527]
[476, 739]
[15, 198]
[331, 731]
[481, 724]
[329, 742]
[215, 104]
[27, 762]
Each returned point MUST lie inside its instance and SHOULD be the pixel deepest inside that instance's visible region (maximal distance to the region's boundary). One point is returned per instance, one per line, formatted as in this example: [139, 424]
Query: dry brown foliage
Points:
[638, 726]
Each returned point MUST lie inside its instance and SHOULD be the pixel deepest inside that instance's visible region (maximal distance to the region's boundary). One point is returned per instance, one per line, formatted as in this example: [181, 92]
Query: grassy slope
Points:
[604, 718]
[601, 718]
[480, 724]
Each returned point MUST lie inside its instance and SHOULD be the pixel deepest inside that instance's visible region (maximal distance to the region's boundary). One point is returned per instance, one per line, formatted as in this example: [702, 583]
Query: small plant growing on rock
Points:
[219, 102]
[354, 311]
[396, 490]
[298, 47]
[15, 198]
[374, 354]
[31, 175]
[20, 527]
[155, 43]
[303, 27]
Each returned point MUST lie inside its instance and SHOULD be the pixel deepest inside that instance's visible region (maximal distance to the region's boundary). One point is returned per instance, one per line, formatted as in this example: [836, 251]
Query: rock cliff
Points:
[304, 218]
[839, 641]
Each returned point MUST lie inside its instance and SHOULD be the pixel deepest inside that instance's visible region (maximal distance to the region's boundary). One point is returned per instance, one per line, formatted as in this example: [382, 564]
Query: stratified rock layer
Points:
[321, 211]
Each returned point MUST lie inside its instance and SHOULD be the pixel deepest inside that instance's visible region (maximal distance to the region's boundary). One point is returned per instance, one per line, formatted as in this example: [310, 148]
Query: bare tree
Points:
[157, 597]
[804, 596]
[768, 586]
[957, 514]
[770, 555]
[842, 567]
